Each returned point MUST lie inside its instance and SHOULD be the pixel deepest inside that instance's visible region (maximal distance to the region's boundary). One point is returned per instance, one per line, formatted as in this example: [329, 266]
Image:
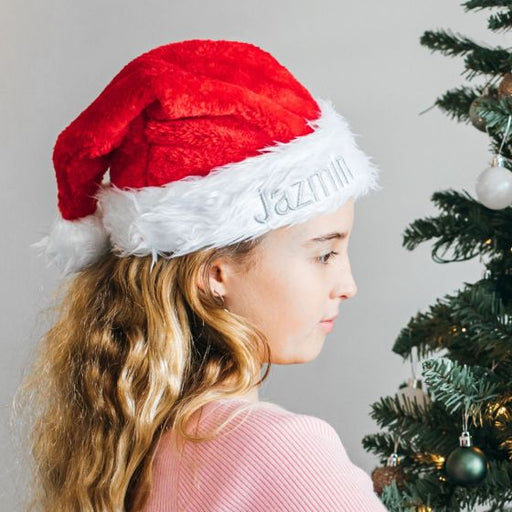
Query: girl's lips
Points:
[327, 325]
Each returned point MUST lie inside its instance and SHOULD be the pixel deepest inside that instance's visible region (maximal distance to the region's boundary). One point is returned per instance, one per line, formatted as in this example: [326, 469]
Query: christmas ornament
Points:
[494, 185]
[388, 474]
[475, 116]
[505, 86]
[476, 119]
[467, 464]
[412, 392]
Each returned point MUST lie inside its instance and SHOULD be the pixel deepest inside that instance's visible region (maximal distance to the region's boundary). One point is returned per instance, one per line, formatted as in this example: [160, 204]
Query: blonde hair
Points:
[134, 351]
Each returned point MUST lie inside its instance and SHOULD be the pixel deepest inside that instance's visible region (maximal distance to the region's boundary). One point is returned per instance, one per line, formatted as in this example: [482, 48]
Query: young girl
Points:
[219, 245]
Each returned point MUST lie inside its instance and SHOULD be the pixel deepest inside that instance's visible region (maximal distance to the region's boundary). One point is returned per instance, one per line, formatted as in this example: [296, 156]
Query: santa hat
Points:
[207, 143]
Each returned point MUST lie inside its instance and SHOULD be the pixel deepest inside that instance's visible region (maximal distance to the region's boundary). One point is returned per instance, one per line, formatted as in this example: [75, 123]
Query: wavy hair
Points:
[134, 350]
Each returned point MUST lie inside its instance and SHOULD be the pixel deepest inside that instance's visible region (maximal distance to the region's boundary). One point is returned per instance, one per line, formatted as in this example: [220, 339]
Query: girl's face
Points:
[295, 283]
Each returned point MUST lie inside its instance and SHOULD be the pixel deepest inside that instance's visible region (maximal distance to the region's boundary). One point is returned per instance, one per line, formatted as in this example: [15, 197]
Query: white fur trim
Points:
[219, 209]
[241, 200]
[74, 244]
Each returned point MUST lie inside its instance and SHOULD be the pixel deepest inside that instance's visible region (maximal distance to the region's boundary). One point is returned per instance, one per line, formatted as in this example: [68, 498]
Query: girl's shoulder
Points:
[249, 419]
[254, 430]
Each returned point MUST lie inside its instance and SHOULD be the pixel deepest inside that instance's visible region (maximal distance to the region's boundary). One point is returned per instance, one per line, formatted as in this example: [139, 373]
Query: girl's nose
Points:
[346, 285]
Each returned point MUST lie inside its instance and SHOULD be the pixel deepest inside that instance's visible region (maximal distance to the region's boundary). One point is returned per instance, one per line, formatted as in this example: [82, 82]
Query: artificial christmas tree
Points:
[450, 431]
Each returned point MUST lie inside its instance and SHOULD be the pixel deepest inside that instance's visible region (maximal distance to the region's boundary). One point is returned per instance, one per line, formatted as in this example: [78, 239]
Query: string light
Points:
[433, 459]
[438, 461]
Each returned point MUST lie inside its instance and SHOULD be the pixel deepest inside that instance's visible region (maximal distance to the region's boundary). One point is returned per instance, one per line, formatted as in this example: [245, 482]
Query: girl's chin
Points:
[310, 353]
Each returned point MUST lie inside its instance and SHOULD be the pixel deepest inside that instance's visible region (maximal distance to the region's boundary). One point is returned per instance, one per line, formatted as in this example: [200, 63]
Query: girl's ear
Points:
[216, 276]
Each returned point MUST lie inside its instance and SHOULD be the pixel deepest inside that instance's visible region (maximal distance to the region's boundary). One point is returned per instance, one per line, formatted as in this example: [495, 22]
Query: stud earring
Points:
[221, 297]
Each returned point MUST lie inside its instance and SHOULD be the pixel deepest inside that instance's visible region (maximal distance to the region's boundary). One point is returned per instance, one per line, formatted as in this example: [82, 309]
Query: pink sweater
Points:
[269, 460]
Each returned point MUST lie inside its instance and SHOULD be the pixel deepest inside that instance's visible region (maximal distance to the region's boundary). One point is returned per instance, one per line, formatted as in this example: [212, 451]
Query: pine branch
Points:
[448, 42]
[395, 500]
[496, 113]
[479, 60]
[430, 431]
[506, 151]
[460, 386]
[480, 309]
[485, 4]
[427, 490]
[465, 226]
[498, 482]
[425, 331]
[474, 326]
[498, 416]
[381, 442]
[500, 21]
[456, 102]
[487, 61]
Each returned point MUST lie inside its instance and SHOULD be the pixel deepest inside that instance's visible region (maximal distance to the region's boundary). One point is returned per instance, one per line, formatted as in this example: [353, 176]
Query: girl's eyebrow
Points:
[325, 238]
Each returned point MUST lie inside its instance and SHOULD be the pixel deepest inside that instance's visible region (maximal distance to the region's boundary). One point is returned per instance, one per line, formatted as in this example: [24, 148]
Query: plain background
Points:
[56, 56]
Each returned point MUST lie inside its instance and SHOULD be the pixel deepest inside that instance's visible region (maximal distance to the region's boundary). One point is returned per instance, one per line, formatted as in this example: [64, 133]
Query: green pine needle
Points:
[485, 4]
[448, 43]
[500, 21]
[457, 386]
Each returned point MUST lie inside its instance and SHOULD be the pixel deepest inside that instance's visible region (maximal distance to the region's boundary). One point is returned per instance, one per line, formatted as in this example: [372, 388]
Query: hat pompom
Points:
[74, 244]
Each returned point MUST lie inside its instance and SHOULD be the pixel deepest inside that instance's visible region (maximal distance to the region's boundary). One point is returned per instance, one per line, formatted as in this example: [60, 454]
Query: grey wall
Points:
[56, 56]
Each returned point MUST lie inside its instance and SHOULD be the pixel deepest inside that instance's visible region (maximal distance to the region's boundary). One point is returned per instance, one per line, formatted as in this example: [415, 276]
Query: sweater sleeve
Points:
[302, 466]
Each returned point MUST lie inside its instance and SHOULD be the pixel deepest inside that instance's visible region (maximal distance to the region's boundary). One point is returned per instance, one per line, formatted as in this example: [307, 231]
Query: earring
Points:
[221, 297]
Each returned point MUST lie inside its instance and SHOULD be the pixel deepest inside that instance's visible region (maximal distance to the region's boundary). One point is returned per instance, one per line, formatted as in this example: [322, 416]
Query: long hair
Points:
[134, 350]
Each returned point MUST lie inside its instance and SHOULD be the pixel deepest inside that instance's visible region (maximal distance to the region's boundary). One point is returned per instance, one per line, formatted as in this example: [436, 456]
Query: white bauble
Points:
[412, 392]
[494, 187]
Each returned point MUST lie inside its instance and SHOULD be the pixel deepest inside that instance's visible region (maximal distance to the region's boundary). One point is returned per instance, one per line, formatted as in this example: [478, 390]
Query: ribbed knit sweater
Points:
[265, 459]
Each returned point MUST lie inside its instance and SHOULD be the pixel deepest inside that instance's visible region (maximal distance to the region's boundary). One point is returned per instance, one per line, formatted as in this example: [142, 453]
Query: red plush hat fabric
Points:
[193, 134]
[178, 110]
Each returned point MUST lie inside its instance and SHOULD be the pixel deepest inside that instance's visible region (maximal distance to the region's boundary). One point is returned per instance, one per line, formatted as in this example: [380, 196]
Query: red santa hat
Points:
[207, 143]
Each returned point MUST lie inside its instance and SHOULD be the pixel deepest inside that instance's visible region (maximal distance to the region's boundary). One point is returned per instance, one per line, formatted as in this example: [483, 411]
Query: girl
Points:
[218, 246]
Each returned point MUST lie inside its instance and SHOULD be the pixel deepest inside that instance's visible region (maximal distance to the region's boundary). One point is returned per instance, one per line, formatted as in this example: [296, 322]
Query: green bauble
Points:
[466, 465]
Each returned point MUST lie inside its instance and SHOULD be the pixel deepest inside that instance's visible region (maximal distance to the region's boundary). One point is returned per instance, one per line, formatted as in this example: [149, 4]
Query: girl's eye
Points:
[323, 261]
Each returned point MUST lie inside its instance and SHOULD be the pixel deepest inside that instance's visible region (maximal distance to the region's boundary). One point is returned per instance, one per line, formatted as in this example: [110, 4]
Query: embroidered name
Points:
[315, 187]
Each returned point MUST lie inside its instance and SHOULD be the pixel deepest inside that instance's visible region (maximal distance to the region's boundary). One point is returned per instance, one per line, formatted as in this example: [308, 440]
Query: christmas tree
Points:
[446, 438]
